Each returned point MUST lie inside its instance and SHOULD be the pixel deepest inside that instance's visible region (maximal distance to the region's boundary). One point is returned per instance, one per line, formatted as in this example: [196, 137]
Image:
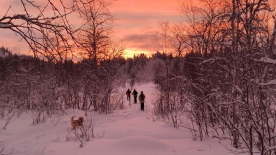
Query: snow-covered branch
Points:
[271, 82]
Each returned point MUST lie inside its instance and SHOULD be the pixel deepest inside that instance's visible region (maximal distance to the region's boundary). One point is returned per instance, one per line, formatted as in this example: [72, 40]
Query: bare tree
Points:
[99, 49]
[46, 29]
[95, 34]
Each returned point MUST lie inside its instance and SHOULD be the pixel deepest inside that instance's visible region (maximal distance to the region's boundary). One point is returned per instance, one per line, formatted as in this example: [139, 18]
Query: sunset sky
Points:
[137, 22]
[135, 25]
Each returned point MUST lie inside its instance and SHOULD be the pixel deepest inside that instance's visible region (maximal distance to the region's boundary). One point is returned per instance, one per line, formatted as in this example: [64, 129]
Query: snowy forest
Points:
[216, 69]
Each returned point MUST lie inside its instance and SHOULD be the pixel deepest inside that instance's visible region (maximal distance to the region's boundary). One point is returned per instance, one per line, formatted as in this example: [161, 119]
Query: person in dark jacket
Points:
[128, 92]
[135, 93]
[142, 100]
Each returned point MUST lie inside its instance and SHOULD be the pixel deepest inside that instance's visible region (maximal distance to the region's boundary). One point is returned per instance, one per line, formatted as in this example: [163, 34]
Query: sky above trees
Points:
[135, 23]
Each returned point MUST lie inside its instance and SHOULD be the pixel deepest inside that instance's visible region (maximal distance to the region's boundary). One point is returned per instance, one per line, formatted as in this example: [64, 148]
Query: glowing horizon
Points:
[130, 53]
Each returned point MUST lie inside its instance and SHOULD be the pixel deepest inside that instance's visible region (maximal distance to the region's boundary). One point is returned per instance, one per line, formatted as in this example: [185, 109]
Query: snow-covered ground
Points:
[125, 132]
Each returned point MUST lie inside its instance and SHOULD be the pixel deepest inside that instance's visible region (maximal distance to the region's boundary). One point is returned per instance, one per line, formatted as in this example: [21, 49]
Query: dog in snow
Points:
[76, 123]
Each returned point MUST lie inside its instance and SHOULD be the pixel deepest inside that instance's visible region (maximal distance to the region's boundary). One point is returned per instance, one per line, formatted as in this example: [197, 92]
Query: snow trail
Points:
[123, 132]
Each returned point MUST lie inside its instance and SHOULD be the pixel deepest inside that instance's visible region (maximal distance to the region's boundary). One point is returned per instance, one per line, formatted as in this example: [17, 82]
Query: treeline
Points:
[47, 88]
[223, 74]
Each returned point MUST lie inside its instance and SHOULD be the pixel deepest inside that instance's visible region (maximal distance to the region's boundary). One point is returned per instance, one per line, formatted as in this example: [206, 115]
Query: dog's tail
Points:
[72, 118]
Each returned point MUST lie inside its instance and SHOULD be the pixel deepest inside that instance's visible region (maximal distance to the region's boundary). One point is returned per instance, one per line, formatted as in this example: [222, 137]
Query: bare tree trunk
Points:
[234, 51]
[272, 41]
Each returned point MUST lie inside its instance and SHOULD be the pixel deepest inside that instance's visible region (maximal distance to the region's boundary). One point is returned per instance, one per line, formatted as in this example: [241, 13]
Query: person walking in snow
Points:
[135, 93]
[142, 100]
[128, 92]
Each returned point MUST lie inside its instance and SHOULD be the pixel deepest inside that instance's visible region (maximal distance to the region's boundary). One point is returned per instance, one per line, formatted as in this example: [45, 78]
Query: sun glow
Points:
[130, 53]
